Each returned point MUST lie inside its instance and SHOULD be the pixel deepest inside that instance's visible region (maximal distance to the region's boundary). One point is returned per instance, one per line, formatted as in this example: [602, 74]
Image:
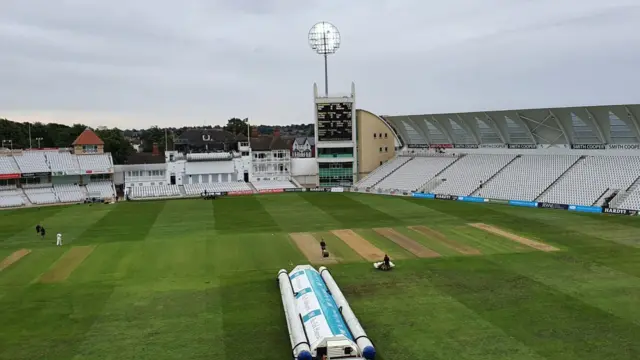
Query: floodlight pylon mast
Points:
[326, 64]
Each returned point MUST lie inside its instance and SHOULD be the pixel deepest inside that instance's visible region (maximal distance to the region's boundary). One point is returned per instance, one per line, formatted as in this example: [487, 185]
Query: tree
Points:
[237, 126]
[115, 143]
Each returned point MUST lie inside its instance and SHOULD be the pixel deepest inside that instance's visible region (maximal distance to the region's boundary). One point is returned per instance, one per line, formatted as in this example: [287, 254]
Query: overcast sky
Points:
[136, 63]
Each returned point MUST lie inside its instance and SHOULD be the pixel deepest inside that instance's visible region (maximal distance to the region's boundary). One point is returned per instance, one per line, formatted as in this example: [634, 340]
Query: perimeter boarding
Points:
[321, 323]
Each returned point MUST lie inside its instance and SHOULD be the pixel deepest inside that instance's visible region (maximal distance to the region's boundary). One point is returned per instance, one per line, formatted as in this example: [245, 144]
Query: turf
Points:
[195, 279]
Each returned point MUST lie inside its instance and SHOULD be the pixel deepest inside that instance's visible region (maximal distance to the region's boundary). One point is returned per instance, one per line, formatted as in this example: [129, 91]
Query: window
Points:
[385, 135]
[380, 149]
[380, 163]
[90, 148]
[380, 135]
[374, 136]
[385, 149]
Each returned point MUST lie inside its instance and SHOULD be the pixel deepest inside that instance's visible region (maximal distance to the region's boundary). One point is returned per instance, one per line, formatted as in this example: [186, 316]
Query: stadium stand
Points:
[41, 195]
[8, 165]
[382, 172]
[632, 200]
[415, 173]
[32, 162]
[526, 177]
[63, 162]
[101, 189]
[465, 175]
[69, 193]
[157, 191]
[272, 185]
[197, 189]
[11, 198]
[590, 178]
[95, 162]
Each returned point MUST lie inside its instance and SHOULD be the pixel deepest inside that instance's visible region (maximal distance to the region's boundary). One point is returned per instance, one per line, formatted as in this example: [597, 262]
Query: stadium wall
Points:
[375, 141]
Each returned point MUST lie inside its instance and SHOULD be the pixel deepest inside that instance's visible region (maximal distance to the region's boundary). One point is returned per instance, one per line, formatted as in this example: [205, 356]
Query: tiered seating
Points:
[95, 162]
[197, 189]
[8, 165]
[101, 189]
[464, 177]
[32, 162]
[11, 198]
[68, 193]
[381, 172]
[526, 177]
[590, 178]
[41, 196]
[270, 185]
[632, 202]
[145, 192]
[415, 173]
[63, 161]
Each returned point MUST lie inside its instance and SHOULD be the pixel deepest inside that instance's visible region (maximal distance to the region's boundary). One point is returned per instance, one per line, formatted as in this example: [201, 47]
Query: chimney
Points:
[254, 132]
[276, 132]
[155, 151]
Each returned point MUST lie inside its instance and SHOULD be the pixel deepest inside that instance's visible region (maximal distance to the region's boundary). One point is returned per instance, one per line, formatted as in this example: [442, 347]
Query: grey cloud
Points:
[166, 62]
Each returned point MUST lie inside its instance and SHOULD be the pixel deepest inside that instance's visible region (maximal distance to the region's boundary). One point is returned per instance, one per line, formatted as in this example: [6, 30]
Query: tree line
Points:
[119, 142]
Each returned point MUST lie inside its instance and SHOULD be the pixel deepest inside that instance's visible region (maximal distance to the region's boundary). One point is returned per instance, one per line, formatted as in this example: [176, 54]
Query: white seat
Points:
[8, 165]
[101, 189]
[41, 195]
[63, 162]
[32, 162]
[526, 177]
[590, 178]
[156, 191]
[11, 198]
[68, 193]
[464, 177]
[95, 163]
[382, 171]
[271, 185]
[415, 173]
[197, 189]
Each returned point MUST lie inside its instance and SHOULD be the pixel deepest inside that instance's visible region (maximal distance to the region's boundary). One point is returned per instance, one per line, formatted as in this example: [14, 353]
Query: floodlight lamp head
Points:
[324, 38]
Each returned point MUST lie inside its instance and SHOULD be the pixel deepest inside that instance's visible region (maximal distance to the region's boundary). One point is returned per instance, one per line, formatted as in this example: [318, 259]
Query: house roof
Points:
[301, 140]
[266, 143]
[201, 137]
[144, 158]
[88, 137]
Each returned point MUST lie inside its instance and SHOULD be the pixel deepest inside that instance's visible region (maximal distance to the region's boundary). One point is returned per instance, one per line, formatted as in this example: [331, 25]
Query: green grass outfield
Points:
[195, 279]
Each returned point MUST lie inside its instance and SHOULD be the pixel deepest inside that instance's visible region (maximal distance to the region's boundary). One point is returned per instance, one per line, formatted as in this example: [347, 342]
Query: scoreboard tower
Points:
[335, 132]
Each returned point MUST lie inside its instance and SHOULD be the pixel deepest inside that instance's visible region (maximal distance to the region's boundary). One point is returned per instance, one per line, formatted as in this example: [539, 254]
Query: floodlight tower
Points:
[324, 39]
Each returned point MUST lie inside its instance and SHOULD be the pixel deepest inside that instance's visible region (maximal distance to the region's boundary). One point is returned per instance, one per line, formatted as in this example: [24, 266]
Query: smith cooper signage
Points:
[523, 146]
[623, 147]
[588, 146]
[465, 146]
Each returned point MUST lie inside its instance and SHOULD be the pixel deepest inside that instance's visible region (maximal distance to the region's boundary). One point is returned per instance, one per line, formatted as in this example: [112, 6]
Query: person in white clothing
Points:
[59, 239]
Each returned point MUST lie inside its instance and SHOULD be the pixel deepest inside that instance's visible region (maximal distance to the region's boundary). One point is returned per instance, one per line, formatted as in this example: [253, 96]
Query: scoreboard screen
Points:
[334, 121]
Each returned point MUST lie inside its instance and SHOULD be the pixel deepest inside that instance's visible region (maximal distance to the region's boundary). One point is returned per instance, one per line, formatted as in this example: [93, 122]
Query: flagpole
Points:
[248, 134]
[166, 144]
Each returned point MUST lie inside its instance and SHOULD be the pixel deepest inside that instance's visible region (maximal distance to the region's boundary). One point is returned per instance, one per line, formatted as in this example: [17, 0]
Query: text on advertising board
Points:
[623, 147]
[588, 146]
[619, 211]
[523, 146]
